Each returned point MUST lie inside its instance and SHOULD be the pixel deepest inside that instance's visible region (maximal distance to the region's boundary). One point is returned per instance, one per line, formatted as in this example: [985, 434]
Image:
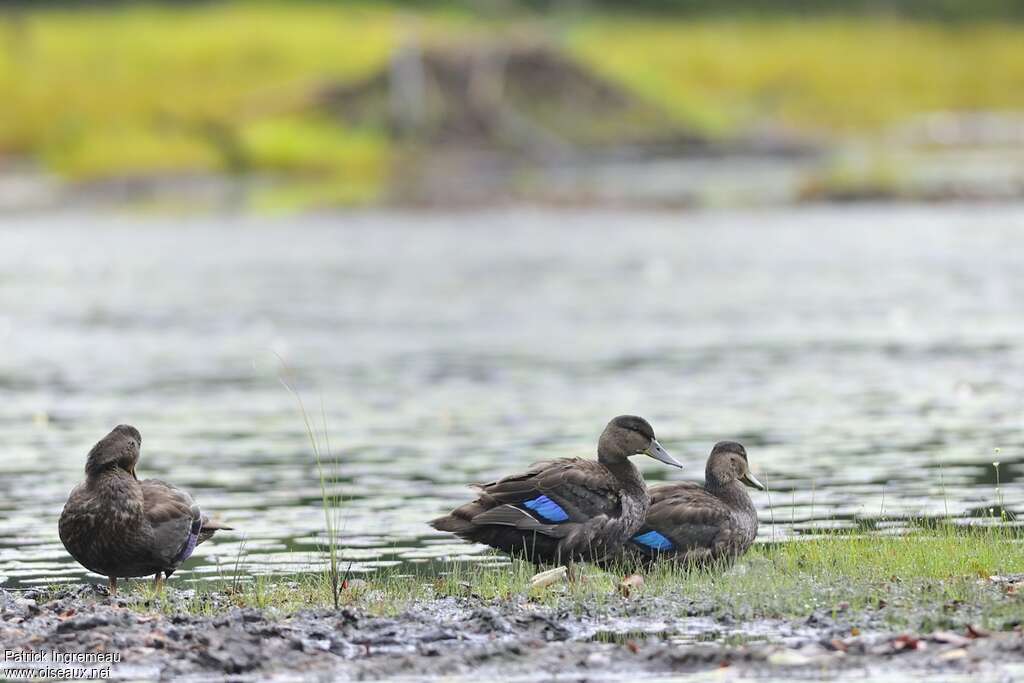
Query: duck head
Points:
[628, 435]
[119, 449]
[728, 463]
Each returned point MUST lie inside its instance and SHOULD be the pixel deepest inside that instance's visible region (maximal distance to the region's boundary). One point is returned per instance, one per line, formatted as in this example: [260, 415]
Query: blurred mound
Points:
[530, 101]
[501, 122]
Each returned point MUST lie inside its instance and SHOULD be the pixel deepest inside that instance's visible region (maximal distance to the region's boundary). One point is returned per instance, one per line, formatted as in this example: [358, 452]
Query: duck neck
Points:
[732, 492]
[623, 470]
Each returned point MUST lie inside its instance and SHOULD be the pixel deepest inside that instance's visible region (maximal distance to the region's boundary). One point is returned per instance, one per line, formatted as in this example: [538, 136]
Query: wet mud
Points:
[471, 638]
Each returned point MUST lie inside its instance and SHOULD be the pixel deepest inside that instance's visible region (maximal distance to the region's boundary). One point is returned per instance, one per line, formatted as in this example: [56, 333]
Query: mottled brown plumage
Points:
[702, 524]
[565, 510]
[115, 525]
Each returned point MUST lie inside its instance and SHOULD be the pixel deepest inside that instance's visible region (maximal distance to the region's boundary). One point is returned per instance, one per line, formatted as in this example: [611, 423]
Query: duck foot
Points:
[158, 584]
[112, 586]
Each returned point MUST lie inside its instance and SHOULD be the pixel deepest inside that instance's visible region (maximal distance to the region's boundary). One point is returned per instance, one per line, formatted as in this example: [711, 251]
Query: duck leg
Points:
[158, 584]
[112, 586]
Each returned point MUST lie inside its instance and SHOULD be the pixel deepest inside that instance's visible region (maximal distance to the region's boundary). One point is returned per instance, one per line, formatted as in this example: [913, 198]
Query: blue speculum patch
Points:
[547, 508]
[188, 548]
[653, 540]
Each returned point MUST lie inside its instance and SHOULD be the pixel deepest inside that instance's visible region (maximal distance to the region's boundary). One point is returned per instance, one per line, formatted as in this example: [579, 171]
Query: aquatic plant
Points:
[328, 467]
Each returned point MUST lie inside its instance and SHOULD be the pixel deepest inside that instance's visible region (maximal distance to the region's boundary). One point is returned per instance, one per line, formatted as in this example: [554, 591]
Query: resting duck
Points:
[562, 511]
[697, 524]
[115, 525]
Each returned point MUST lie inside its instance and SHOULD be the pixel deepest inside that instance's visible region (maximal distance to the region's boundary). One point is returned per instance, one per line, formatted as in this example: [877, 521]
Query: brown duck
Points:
[701, 524]
[565, 510]
[115, 525]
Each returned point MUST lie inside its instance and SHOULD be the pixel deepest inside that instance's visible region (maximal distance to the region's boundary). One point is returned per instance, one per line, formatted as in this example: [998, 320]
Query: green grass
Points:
[328, 468]
[910, 581]
[117, 91]
[930, 579]
[831, 75]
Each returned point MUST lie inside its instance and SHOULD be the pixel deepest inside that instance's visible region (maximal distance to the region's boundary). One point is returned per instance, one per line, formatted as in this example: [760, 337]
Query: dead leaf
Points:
[908, 642]
[950, 638]
[632, 646]
[631, 584]
[977, 632]
[950, 655]
[840, 645]
[547, 578]
[855, 631]
[788, 658]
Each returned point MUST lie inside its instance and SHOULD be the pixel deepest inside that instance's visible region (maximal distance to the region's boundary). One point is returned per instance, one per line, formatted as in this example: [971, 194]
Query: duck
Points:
[117, 526]
[701, 524]
[565, 510]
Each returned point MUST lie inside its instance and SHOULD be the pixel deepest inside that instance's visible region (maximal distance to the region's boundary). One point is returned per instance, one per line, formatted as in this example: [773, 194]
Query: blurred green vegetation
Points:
[823, 74]
[942, 10]
[123, 90]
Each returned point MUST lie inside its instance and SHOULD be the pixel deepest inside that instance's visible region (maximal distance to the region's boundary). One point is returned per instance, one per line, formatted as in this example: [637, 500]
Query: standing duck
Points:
[699, 525]
[562, 511]
[115, 525]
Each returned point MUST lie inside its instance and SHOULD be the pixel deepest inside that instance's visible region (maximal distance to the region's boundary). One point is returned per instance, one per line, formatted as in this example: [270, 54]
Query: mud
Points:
[469, 638]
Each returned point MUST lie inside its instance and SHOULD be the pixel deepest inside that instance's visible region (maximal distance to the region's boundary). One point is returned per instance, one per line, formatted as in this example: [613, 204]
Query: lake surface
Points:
[871, 359]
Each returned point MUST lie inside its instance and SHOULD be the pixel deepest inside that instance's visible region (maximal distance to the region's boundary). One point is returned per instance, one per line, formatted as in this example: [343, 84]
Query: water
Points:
[870, 358]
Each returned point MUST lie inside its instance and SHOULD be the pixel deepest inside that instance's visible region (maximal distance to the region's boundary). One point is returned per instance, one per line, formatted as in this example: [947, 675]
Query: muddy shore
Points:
[465, 638]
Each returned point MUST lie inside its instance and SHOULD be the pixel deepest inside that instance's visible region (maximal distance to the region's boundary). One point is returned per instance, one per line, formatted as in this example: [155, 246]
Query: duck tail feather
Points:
[451, 524]
[210, 527]
[459, 520]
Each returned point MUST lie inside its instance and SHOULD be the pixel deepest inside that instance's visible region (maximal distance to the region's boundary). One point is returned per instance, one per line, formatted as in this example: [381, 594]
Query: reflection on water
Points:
[871, 359]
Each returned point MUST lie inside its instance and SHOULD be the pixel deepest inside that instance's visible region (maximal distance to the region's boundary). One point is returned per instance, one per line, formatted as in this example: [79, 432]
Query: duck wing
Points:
[687, 521]
[176, 521]
[548, 495]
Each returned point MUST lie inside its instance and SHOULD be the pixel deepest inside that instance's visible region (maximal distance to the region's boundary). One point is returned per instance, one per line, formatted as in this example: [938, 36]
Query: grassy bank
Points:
[930, 579]
[822, 75]
[121, 91]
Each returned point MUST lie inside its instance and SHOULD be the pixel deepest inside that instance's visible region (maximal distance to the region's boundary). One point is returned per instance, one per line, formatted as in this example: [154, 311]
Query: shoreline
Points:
[873, 607]
[470, 636]
[647, 183]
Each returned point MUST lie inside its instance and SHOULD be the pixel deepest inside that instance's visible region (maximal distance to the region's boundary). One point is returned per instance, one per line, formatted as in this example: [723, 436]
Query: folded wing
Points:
[686, 521]
[176, 521]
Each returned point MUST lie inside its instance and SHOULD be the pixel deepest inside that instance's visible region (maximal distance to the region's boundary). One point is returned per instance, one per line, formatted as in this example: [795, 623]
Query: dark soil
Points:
[473, 638]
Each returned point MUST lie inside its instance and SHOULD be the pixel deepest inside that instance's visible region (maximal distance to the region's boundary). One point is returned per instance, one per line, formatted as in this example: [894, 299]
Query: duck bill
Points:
[661, 455]
[750, 480]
